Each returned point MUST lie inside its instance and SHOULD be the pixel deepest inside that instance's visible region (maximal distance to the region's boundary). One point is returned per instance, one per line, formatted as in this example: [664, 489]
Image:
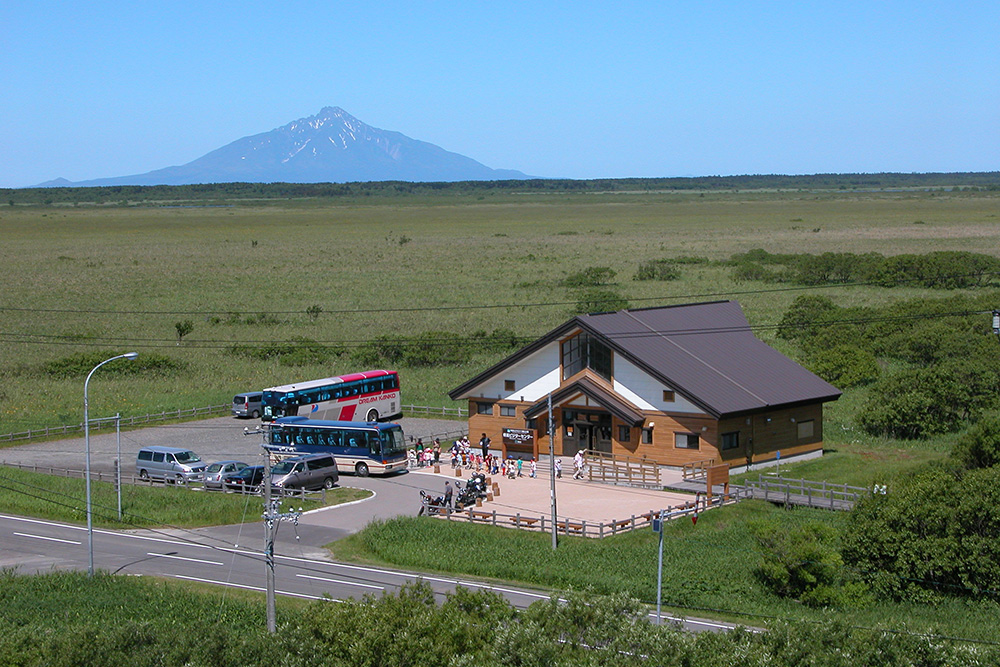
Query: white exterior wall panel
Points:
[534, 377]
[645, 392]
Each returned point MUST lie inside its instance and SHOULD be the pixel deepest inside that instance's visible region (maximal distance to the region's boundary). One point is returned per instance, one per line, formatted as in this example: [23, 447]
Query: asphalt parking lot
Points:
[217, 439]
[225, 438]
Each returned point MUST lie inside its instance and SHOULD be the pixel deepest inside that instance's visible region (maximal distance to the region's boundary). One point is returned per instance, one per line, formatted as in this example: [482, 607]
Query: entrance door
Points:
[584, 433]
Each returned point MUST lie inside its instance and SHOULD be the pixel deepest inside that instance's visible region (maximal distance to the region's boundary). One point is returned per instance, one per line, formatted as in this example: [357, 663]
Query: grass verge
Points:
[64, 499]
[709, 568]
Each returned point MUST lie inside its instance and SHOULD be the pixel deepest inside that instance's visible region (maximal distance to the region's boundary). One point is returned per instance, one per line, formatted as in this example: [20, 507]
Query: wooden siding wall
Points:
[760, 435]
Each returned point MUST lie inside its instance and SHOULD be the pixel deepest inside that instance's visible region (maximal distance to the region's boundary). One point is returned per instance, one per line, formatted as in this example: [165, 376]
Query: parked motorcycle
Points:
[431, 505]
[475, 488]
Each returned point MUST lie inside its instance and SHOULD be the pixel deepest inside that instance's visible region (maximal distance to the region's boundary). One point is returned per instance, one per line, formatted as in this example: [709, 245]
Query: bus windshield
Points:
[393, 441]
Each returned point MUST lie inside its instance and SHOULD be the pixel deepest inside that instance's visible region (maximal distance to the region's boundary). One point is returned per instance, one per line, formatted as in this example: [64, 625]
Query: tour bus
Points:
[371, 396]
[359, 447]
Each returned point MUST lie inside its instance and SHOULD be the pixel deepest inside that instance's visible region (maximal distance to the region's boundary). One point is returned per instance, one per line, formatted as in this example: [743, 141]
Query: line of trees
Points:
[207, 192]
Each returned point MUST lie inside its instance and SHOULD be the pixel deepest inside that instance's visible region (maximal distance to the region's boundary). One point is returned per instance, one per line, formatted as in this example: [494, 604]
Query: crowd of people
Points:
[464, 455]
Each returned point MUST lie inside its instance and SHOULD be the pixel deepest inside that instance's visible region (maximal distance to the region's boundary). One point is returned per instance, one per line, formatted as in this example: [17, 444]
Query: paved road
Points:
[34, 545]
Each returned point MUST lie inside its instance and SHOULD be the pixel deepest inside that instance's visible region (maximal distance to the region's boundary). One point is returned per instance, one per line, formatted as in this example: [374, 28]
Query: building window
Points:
[730, 440]
[585, 351]
[509, 385]
[806, 429]
[647, 436]
[686, 440]
[508, 410]
[624, 433]
[668, 396]
[484, 409]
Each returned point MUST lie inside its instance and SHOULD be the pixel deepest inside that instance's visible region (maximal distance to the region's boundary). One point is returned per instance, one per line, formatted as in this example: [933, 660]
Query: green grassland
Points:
[114, 278]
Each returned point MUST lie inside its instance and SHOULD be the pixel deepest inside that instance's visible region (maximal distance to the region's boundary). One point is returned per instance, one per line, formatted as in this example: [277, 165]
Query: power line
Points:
[214, 343]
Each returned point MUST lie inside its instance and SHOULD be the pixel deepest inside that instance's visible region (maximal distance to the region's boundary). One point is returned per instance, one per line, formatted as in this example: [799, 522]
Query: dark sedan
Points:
[247, 480]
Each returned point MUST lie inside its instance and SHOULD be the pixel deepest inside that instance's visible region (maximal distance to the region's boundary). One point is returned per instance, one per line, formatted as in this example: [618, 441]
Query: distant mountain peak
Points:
[331, 146]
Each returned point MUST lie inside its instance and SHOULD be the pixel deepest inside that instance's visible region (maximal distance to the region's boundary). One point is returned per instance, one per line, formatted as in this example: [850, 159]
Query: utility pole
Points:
[552, 474]
[271, 517]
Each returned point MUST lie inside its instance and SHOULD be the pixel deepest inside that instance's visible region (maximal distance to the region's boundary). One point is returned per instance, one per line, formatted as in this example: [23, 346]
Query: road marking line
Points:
[50, 539]
[253, 588]
[193, 560]
[340, 581]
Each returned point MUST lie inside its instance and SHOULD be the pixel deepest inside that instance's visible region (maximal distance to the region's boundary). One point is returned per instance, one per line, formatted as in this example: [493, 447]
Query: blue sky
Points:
[555, 89]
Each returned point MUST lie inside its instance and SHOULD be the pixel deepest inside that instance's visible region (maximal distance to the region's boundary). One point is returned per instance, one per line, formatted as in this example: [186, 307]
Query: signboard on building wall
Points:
[520, 443]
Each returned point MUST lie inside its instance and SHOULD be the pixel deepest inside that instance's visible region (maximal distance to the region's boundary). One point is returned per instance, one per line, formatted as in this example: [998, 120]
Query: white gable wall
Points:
[534, 377]
[645, 392]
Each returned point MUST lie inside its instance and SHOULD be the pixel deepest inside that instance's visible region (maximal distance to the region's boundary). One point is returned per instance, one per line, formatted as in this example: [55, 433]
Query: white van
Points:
[172, 464]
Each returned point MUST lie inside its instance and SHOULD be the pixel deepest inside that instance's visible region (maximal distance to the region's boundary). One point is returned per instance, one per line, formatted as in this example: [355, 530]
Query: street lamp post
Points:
[86, 437]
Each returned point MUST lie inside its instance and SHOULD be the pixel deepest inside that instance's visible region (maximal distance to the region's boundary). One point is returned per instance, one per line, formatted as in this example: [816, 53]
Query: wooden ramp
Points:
[622, 470]
[804, 492]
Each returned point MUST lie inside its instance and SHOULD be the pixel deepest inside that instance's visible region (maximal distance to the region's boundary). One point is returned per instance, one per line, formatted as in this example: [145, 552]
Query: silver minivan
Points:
[247, 404]
[172, 464]
[308, 471]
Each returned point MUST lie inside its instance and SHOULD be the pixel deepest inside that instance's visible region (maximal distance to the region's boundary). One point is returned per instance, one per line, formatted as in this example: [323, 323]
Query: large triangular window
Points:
[585, 351]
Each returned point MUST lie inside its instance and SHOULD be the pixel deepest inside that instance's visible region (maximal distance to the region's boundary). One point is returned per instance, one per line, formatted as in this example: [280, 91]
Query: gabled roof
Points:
[704, 351]
[614, 403]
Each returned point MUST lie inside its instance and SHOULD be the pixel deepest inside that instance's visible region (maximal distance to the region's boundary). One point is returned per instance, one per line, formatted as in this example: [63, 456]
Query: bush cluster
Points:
[57, 619]
[435, 348]
[299, 351]
[80, 364]
[947, 370]
[933, 533]
[944, 269]
[658, 269]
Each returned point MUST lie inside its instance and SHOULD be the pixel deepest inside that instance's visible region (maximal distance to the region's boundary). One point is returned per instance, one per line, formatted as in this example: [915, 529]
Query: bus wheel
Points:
[373, 415]
[328, 483]
[361, 469]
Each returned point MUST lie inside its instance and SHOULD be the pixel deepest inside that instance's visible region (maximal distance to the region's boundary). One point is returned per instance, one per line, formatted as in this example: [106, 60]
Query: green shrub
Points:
[593, 276]
[299, 351]
[979, 447]
[845, 366]
[80, 364]
[599, 300]
[933, 533]
[657, 269]
[803, 563]
[920, 402]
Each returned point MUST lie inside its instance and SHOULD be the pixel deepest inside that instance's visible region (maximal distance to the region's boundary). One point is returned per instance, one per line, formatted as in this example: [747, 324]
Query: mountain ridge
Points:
[330, 147]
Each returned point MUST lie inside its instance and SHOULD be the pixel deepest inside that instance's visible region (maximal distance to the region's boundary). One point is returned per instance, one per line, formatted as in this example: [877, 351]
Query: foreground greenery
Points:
[62, 619]
[721, 567]
[64, 499]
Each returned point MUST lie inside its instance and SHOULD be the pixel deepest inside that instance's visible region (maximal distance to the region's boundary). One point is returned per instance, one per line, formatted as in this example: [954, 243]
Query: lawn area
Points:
[64, 499]
[709, 567]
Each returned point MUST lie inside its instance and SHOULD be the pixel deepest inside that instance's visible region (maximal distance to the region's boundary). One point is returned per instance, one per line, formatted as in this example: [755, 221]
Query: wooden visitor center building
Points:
[675, 385]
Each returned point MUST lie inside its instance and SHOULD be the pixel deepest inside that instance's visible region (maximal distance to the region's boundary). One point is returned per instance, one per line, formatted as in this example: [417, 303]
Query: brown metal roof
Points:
[704, 351]
[614, 403]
